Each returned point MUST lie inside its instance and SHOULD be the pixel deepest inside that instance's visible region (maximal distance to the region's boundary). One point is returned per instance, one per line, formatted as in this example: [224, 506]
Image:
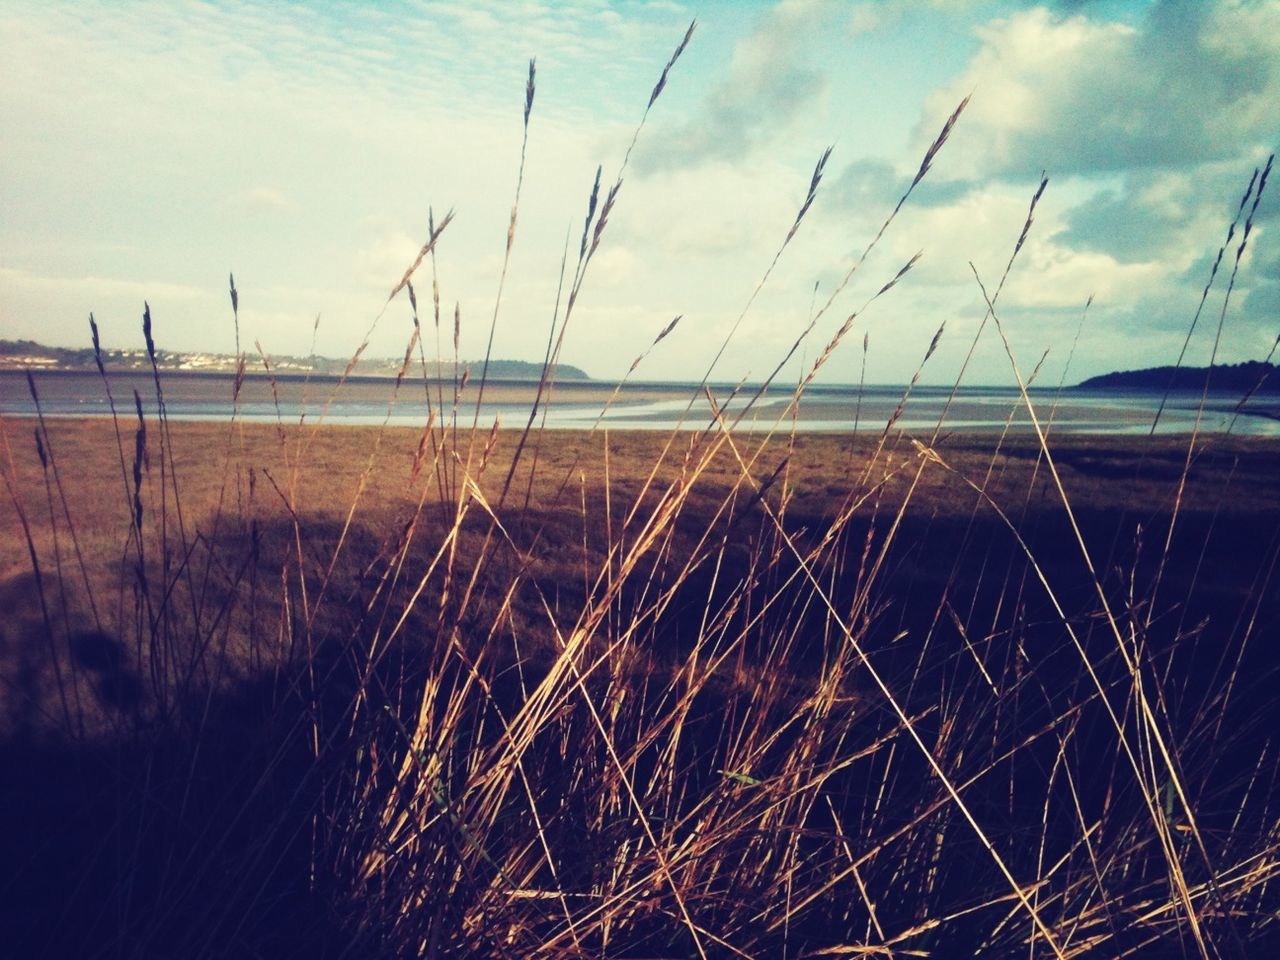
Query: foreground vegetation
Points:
[310, 691]
[825, 703]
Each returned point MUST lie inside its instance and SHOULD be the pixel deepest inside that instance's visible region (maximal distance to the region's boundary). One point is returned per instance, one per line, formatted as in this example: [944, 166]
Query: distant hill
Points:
[26, 354]
[1237, 378]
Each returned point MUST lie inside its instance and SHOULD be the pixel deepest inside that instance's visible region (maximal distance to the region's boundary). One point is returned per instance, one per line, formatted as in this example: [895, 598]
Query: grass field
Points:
[666, 694]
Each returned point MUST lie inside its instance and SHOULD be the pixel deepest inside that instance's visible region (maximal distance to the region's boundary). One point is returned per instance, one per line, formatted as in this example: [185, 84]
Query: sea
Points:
[660, 406]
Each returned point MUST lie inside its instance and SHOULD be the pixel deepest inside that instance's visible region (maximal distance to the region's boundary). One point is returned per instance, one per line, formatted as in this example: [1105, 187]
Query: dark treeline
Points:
[1249, 376]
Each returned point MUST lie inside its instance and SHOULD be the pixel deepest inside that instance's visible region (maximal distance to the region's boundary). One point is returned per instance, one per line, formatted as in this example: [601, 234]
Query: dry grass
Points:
[307, 690]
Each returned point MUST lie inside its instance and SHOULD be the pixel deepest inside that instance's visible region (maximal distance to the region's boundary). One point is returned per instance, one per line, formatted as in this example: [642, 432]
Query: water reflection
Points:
[644, 406]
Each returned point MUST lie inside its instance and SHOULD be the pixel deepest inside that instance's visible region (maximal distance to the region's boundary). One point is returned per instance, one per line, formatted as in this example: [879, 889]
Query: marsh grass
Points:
[307, 690]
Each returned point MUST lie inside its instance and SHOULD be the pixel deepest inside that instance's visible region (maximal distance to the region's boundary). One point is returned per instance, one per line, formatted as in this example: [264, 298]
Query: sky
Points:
[150, 148]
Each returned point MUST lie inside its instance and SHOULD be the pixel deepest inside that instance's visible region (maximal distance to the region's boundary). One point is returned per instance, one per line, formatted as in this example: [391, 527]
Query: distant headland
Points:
[28, 354]
[1252, 376]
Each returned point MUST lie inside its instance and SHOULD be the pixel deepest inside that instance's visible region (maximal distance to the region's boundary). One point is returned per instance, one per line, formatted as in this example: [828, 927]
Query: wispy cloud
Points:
[262, 198]
[90, 286]
[769, 84]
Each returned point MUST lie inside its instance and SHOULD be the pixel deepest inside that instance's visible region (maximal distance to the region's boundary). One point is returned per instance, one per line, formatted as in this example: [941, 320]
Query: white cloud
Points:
[262, 198]
[1191, 83]
[382, 263]
[865, 18]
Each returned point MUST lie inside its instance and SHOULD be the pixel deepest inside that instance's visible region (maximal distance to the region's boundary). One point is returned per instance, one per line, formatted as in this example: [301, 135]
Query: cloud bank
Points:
[148, 149]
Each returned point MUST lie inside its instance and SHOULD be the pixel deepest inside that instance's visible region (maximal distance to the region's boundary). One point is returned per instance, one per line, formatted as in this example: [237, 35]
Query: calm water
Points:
[643, 406]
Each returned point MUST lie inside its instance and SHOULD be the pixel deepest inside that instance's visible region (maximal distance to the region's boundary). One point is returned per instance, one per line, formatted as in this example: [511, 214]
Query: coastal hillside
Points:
[1252, 376]
[19, 354]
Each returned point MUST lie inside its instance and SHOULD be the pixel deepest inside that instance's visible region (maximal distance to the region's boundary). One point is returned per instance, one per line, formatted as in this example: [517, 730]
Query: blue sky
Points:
[150, 147]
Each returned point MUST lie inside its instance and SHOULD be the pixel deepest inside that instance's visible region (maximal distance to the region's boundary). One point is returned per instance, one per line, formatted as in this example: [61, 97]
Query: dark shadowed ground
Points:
[172, 757]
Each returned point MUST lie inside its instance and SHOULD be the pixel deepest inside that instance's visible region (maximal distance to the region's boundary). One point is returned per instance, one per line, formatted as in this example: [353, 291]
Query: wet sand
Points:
[578, 404]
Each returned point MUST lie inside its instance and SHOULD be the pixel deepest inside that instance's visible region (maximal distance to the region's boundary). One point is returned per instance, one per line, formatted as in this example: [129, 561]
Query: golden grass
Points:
[703, 633]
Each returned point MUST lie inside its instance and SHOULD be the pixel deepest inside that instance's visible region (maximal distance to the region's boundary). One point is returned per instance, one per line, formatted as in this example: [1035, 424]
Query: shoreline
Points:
[641, 406]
